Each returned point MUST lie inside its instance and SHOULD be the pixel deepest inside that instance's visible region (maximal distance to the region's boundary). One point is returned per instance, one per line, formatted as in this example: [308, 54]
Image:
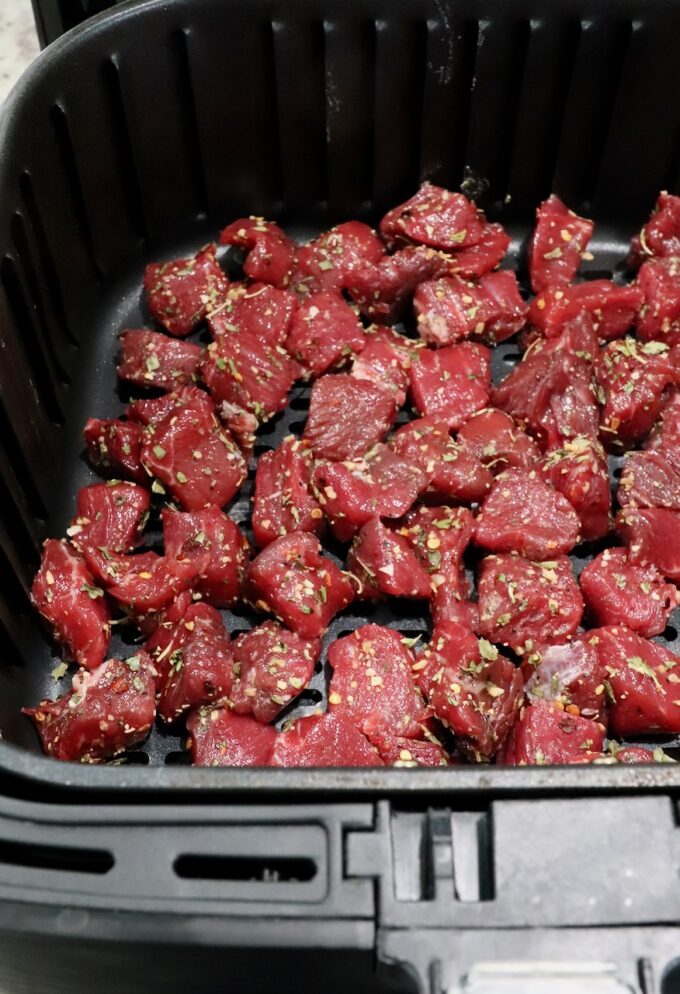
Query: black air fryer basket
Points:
[133, 138]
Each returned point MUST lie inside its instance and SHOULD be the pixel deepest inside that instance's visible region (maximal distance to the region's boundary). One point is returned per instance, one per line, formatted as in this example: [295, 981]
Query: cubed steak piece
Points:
[149, 359]
[613, 308]
[181, 293]
[386, 360]
[114, 448]
[476, 261]
[470, 687]
[244, 371]
[384, 564]
[643, 679]
[324, 333]
[452, 472]
[659, 316]
[190, 535]
[327, 262]
[283, 500]
[570, 675]
[617, 591]
[272, 666]
[270, 251]
[436, 217]
[293, 580]
[659, 238]
[382, 290]
[64, 593]
[398, 751]
[636, 754]
[347, 416]
[557, 244]
[259, 309]
[451, 308]
[524, 604]
[372, 683]
[150, 582]
[151, 411]
[498, 441]
[450, 384]
[108, 710]
[545, 735]
[579, 471]
[381, 484]
[219, 737]
[653, 537]
[633, 386]
[651, 479]
[665, 434]
[110, 516]
[524, 514]
[323, 740]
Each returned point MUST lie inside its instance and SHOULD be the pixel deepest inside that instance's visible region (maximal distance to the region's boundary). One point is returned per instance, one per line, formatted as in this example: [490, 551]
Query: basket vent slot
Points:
[253, 869]
[40, 857]
[126, 157]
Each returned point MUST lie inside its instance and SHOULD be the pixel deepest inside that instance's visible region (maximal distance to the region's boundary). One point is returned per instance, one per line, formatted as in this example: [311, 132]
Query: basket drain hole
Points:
[254, 869]
[26, 854]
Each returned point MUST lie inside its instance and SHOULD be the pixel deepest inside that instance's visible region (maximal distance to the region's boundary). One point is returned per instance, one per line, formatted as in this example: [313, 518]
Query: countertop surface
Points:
[18, 41]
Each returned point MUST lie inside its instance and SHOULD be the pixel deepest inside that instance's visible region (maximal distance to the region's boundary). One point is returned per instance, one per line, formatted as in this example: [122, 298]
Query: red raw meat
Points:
[651, 479]
[652, 536]
[152, 411]
[660, 236]
[665, 434]
[524, 514]
[283, 500]
[386, 360]
[636, 754]
[633, 380]
[303, 588]
[347, 416]
[385, 564]
[245, 371]
[497, 441]
[272, 666]
[381, 290]
[325, 264]
[570, 675]
[559, 240]
[435, 217]
[659, 316]
[270, 251]
[579, 471]
[149, 582]
[110, 516]
[453, 473]
[398, 751]
[525, 605]
[478, 260]
[198, 462]
[192, 535]
[181, 293]
[323, 740]
[617, 591]
[149, 359]
[451, 308]
[545, 735]
[450, 384]
[219, 737]
[324, 333]
[613, 308]
[108, 710]
[65, 595]
[260, 309]
[115, 448]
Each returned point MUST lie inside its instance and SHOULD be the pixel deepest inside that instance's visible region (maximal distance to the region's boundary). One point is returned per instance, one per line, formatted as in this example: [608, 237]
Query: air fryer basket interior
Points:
[138, 135]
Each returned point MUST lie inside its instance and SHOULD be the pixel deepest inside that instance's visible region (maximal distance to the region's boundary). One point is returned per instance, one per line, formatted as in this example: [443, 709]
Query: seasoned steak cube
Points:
[385, 361]
[578, 470]
[65, 595]
[323, 740]
[347, 416]
[181, 293]
[324, 333]
[559, 240]
[633, 381]
[152, 411]
[470, 688]
[616, 590]
[385, 564]
[451, 471]
[398, 751]
[192, 535]
[108, 710]
[451, 308]
[149, 359]
[524, 514]
[272, 666]
[570, 675]
[497, 441]
[523, 604]
[327, 262]
[381, 484]
[651, 479]
[659, 316]
[270, 250]
[476, 261]
[665, 435]
[435, 217]
[545, 735]
[219, 737]
[613, 308]
[653, 537]
[450, 384]
[643, 678]
[660, 236]
[294, 581]
[110, 516]
[194, 459]
[150, 582]
[114, 448]
[247, 372]
[284, 501]
[382, 290]
[259, 309]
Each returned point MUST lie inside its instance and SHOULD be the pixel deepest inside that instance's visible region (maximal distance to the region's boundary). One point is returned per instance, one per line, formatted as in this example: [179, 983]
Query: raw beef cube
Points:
[324, 333]
[283, 500]
[665, 434]
[241, 425]
[635, 754]
[108, 710]
[191, 535]
[381, 290]
[372, 683]
[450, 384]
[198, 462]
[478, 260]
[613, 308]
[111, 516]
[64, 593]
[653, 537]
[633, 381]
[435, 217]
[660, 236]
[325, 264]
[524, 514]
[643, 679]
[470, 688]
[571, 675]
[115, 448]
[559, 240]
[270, 251]
[149, 359]
[272, 666]
[497, 441]
[107, 567]
[578, 470]
[451, 308]
[659, 316]
[219, 737]
[398, 751]
[616, 590]
[452, 472]
[294, 581]
[381, 484]
[385, 563]
[525, 605]
[324, 740]
[386, 360]
[545, 735]
[347, 416]
[651, 479]
[260, 309]
[181, 293]
[149, 582]
[151, 412]
[244, 371]
[162, 628]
